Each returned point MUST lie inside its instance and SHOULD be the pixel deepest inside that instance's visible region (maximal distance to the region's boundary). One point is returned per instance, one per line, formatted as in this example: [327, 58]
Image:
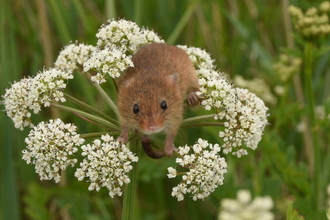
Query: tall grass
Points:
[244, 38]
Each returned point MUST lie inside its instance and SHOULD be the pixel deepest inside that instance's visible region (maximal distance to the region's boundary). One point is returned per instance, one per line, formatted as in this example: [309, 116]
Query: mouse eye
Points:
[163, 105]
[136, 109]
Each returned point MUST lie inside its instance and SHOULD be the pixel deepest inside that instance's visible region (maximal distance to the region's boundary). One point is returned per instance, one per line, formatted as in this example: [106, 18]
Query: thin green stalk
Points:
[60, 20]
[107, 99]
[90, 108]
[83, 15]
[202, 124]
[309, 57]
[129, 203]
[110, 9]
[138, 11]
[197, 118]
[88, 116]
[182, 23]
[98, 134]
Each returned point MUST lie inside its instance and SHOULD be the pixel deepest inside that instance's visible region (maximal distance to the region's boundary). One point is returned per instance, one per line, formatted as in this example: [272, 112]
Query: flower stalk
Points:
[129, 203]
[308, 70]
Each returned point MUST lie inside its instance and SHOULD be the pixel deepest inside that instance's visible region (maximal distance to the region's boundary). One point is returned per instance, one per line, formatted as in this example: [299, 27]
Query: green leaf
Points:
[293, 52]
[292, 214]
[36, 200]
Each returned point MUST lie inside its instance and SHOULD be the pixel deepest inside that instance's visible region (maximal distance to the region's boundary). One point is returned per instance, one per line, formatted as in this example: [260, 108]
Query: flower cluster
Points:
[246, 121]
[125, 35]
[245, 114]
[314, 22]
[200, 58]
[73, 56]
[110, 61]
[106, 164]
[287, 66]
[206, 170]
[30, 94]
[257, 86]
[245, 209]
[51, 147]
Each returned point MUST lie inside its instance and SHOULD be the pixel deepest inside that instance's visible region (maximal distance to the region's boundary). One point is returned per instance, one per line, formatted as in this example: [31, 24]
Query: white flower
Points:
[257, 86]
[200, 58]
[206, 170]
[243, 113]
[110, 61]
[172, 172]
[106, 164]
[73, 56]
[30, 94]
[51, 148]
[314, 22]
[126, 35]
[246, 120]
[245, 209]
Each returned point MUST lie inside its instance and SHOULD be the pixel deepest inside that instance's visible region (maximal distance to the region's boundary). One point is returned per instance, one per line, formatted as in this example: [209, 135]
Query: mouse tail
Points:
[145, 141]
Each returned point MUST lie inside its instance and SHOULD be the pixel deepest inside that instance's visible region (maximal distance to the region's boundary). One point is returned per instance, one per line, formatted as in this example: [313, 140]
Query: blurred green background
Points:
[244, 37]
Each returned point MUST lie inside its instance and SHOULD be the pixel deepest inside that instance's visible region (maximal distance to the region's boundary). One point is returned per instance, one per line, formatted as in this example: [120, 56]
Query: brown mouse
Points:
[151, 94]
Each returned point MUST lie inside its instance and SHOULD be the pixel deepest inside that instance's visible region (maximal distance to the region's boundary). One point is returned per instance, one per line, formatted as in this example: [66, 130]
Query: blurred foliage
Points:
[244, 37]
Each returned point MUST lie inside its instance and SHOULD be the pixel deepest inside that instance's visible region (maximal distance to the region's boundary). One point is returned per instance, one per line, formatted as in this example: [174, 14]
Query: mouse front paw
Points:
[193, 99]
[169, 148]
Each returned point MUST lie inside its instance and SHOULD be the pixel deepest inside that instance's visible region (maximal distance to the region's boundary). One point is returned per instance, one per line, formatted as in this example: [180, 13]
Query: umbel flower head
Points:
[110, 61]
[243, 113]
[257, 86]
[206, 170]
[125, 35]
[51, 147]
[243, 208]
[106, 164]
[314, 22]
[287, 66]
[30, 94]
[73, 56]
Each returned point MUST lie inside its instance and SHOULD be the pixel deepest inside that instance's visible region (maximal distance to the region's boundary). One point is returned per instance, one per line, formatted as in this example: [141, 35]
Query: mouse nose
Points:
[153, 128]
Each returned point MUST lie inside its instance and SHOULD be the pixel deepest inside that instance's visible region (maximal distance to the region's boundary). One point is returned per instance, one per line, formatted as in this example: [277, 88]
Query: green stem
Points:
[201, 124]
[182, 23]
[197, 118]
[130, 190]
[98, 134]
[309, 57]
[90, 108]
[88, 116]
[107, 99]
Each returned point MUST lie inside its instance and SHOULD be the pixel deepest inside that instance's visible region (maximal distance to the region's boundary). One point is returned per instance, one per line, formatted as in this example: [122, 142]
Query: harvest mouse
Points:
[151, 94]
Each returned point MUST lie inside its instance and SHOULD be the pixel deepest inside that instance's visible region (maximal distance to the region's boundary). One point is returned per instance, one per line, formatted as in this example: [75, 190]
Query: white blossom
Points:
[246, 121]
[243, 113]
[200, 58]
[243, 208]
[106, 164]
[73, 56]
[30, 94]
[206, 170]
[257, 86]
[126, 35]
[110, 61]
[314, 22]
[51, 147]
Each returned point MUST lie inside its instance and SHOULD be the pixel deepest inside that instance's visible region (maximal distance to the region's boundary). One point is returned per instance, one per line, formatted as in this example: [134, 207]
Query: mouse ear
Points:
[125, 82]
[174, 77]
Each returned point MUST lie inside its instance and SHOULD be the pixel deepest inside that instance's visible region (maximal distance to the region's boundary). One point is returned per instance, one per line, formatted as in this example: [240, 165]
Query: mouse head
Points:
[150, 104]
